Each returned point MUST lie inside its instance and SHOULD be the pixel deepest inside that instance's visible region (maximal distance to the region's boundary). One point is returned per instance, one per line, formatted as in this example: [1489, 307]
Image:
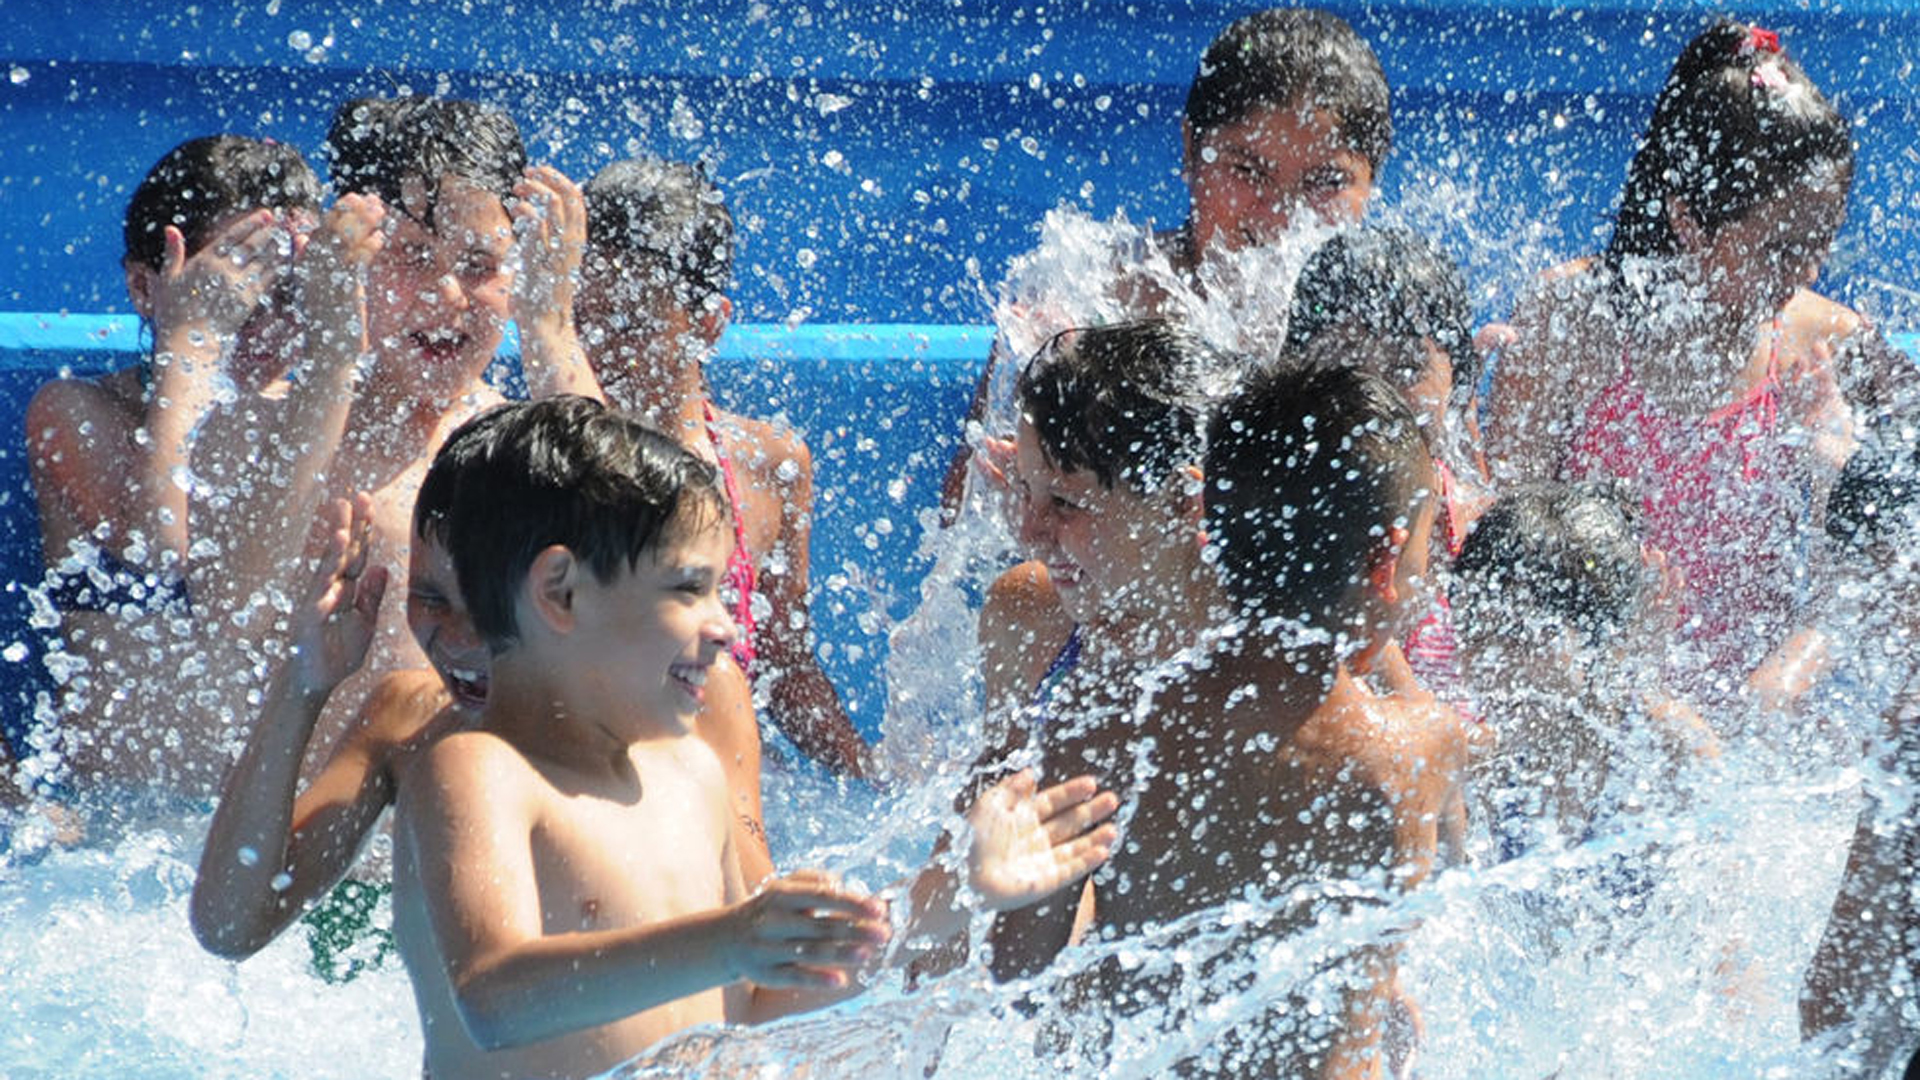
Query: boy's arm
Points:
[802, 699]
[266, 856]
[550, 214]
[467, 818]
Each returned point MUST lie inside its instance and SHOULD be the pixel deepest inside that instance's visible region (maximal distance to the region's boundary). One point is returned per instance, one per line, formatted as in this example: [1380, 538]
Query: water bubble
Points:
[18, 75]
[247, 856]
[806, 257]
[281, 882]
[15, 652]
[300, 40]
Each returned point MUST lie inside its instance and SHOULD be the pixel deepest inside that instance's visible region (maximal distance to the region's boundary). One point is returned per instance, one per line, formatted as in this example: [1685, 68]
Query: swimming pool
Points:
[886, 162]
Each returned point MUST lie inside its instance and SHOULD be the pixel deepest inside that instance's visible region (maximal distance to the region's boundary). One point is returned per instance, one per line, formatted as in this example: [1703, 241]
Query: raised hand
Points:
[804, 930]
[1029, 844]
[336, 619]
[550, 225]
[214, 290]
[332, 276]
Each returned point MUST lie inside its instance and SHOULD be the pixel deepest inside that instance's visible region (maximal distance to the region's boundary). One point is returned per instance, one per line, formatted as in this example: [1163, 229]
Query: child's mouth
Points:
[692, 680]
[469, 687]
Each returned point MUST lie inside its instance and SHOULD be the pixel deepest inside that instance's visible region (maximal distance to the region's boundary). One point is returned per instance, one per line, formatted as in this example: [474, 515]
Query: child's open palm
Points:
[1029, 844]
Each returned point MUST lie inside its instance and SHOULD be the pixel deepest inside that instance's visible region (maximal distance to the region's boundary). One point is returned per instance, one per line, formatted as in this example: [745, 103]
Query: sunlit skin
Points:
[1752, 316]
[438, 618]
[1250, 181]
[574, 849]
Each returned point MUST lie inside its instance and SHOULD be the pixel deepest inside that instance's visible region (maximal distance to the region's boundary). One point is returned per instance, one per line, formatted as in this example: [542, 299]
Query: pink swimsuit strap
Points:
[742, 577]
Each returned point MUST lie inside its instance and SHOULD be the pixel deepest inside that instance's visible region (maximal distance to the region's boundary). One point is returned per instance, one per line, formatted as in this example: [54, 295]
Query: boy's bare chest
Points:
[603, 863]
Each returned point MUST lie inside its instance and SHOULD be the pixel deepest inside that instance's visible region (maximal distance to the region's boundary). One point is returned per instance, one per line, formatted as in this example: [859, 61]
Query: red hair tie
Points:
[1759, 40]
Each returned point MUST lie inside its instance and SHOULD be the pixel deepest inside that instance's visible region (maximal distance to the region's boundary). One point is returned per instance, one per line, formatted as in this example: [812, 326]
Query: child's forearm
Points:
[185, 362]
[236, 908]
[560, 984]
[553, 359]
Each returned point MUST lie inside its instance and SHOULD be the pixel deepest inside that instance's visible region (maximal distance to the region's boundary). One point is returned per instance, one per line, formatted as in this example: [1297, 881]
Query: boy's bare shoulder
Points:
[1388, 741]
[405, 709]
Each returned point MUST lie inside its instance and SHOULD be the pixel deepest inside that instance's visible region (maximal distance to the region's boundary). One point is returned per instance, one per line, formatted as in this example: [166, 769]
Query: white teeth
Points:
[693, 675]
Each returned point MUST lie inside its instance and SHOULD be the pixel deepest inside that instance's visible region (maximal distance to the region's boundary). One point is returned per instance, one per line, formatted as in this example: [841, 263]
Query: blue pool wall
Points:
[886, 160]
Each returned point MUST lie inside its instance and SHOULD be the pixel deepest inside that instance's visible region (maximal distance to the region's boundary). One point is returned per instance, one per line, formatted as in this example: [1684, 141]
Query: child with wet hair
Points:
[1319, 496]
[1391, 298]
[1288, 111]
[1691, 360]
[303, 841]
[1554, 597]
[652, 305]
[567, 884]
[1868, 959]
[160, 518]
[1288, 120]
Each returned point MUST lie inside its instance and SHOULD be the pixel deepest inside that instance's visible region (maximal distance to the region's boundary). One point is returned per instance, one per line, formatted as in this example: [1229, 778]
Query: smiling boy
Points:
[566, 889]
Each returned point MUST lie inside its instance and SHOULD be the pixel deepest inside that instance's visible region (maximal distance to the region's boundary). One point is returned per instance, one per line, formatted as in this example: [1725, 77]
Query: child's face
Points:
[437, 615]
[625, 298]
[652, 635]
[1517, 658]
[1246, 182]
[1752, 266]
[1102, 547]
[437, 298]
[1411, 597]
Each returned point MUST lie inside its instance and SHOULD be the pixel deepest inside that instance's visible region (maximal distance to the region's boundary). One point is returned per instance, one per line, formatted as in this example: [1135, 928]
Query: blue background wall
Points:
[885, 160]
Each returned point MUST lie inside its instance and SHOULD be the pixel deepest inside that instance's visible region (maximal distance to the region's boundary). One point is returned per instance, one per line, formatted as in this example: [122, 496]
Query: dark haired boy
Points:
[567, 892]
[1276, 774]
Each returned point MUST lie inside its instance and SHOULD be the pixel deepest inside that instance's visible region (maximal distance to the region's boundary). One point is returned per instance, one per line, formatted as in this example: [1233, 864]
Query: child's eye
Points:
[478, 266]
[1061, 502]
[1328, 180]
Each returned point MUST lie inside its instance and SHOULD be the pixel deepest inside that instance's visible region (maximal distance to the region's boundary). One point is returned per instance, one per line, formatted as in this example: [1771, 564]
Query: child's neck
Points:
[388, 429]
[1173, 616]
[552, 712]
[666, 387]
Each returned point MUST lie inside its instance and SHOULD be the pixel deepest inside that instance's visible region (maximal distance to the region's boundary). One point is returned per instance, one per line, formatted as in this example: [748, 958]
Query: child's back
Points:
[1275, 770]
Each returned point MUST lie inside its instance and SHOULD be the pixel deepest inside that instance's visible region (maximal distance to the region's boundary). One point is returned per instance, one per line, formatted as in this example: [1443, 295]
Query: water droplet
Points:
[247, 856]
[15, 652]
[300, 40]
[18, 75]
[281, 882]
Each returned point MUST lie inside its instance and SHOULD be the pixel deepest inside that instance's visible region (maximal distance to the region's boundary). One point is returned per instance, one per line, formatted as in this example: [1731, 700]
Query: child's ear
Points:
[1383, 576]
[713, 322]
[550, 587]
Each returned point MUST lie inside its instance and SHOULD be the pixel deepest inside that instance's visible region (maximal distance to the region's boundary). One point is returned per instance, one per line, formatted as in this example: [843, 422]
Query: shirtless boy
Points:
[1276, 774]
[566, 889]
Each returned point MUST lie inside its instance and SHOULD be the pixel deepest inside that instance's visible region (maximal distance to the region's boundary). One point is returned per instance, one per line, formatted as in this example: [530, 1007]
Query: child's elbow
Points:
[485, 1017]
[223, 933]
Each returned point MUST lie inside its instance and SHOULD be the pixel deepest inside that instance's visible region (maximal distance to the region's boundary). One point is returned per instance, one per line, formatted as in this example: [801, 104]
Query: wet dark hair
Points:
[376, 144]
[1571, 550]
[569, 471]
[196, 184]
[668, 215]
[1392, 284]
[1307, 468]
[1122, 402]
[1291, 57]
[1736, 123]
[454, 465]
[1877, 495]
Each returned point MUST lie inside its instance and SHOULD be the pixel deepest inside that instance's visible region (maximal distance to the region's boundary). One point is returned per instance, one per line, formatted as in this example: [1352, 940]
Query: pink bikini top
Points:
[742, 577]
[1722, 499]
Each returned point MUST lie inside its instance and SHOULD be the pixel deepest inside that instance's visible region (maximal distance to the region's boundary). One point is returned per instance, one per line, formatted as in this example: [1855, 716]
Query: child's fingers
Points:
[1083, 856]
[1079, 818]
[1064, 795]
[373, 589]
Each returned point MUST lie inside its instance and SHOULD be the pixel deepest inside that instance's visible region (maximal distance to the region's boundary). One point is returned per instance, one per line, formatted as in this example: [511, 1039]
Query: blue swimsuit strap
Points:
[1064, 662]
[126, 585]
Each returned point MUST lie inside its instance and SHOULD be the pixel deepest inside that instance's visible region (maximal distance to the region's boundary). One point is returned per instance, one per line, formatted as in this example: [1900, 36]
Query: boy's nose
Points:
[720, 628]
[447, 293]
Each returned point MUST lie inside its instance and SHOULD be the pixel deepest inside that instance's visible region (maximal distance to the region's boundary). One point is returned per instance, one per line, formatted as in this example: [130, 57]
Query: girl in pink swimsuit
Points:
[1642, 364]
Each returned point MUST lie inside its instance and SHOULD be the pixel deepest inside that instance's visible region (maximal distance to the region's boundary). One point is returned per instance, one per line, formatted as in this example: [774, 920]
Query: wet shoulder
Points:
[773, 455]
[405, 710]
[1021, 628]
[96, 415]
[1384, 742]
